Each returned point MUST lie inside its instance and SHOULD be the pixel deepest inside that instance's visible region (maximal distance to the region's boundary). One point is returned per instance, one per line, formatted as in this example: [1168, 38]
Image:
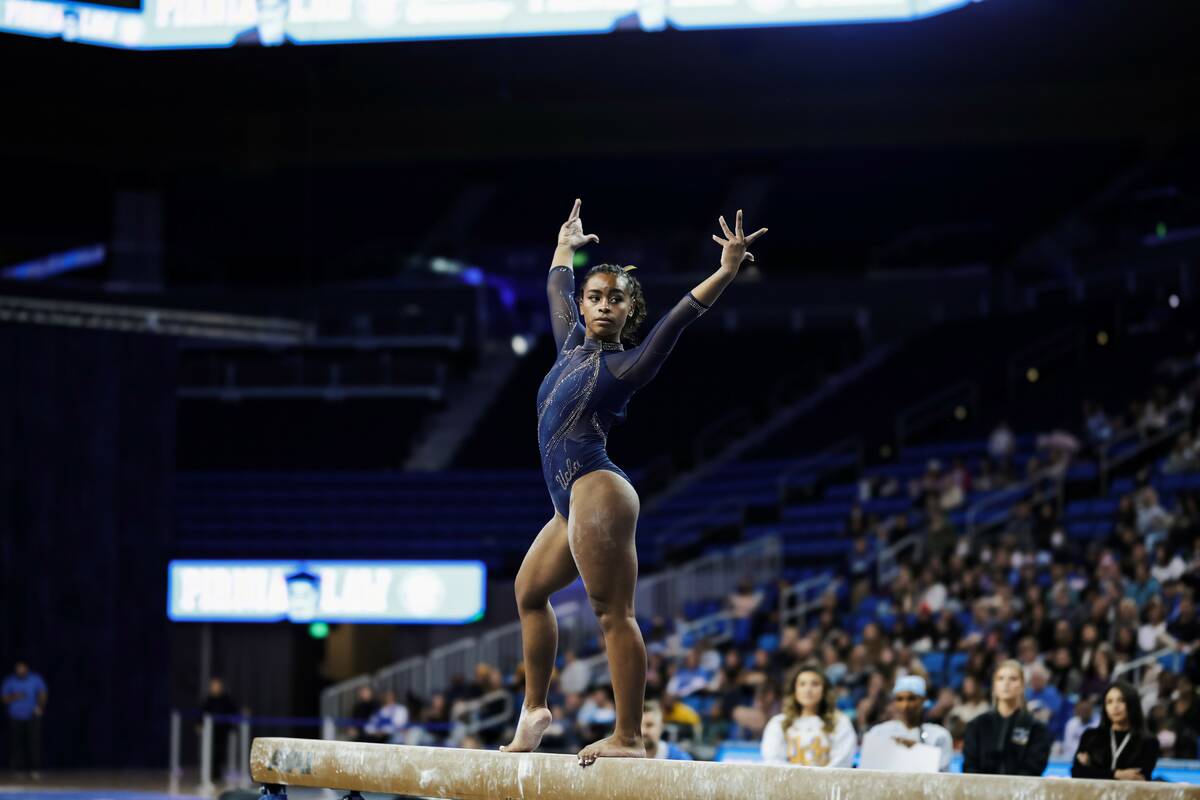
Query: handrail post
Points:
[244, 752]
[206, 755]
[176, 771]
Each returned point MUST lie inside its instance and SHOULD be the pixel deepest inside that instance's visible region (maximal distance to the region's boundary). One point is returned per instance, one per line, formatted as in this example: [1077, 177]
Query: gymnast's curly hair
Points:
[826, 709]
[637, 300]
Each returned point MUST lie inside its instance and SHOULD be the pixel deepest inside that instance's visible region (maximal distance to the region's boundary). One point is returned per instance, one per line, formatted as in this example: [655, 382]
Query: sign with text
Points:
[158, 24]
[398, 592]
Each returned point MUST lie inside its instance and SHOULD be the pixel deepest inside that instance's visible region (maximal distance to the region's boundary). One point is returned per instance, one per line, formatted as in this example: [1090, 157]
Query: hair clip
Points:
[629, 268]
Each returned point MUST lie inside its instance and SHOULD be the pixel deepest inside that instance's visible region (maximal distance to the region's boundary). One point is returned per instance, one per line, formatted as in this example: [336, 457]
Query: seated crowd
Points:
[1008, 649]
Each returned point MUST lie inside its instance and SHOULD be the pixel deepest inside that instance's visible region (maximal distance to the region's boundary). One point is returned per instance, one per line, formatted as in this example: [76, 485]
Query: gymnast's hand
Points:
[733, 246]
[571, 233]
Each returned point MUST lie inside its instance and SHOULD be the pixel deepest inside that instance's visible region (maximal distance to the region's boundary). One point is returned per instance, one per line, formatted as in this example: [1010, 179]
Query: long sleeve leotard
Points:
[586, 391]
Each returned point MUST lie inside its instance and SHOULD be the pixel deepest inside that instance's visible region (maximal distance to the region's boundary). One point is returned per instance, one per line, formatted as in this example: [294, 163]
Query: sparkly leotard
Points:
[587, 389]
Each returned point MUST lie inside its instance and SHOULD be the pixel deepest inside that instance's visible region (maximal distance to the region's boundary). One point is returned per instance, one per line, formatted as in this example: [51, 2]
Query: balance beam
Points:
[491, 775]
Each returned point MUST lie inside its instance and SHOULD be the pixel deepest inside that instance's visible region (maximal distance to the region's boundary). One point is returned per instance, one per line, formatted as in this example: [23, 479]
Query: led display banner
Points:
[225, 23]
[413, 592]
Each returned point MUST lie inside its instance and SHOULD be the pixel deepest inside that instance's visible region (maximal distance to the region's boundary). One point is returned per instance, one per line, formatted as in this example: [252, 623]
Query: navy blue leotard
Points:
[587, 389]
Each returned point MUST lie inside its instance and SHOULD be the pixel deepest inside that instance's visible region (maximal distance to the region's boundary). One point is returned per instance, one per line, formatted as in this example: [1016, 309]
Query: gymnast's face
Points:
[809, 689]
[604, 306]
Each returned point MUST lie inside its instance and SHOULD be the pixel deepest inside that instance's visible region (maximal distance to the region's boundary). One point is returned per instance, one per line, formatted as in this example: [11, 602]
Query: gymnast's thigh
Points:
[548, 565]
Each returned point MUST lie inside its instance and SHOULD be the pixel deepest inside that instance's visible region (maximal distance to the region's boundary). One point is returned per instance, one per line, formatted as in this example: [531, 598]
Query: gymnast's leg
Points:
[601, 527]
[547, 568]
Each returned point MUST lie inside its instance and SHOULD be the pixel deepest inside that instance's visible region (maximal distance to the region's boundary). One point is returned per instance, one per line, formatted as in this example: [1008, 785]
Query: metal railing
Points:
[665, 594]
[795, 602]
[887, 561]
[1177, 423]
[811, 466]
[1138, 665]
[934, 409]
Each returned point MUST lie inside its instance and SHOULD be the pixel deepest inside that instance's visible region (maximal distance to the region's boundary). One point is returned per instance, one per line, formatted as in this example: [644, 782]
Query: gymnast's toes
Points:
[612, 747]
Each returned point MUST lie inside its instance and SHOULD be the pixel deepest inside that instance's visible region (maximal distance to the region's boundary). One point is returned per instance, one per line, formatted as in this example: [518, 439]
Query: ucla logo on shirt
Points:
[813, 753]
[564, 476]
[1020, 736]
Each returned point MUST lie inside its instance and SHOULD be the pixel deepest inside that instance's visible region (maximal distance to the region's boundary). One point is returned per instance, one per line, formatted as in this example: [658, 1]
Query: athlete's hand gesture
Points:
[571, 233]
[733, 246]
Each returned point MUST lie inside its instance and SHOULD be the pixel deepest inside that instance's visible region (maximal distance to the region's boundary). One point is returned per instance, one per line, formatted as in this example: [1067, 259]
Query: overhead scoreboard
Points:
[174, 24]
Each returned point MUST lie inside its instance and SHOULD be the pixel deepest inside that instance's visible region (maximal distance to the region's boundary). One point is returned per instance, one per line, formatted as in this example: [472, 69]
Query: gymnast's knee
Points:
[611, 615]
[530, 598]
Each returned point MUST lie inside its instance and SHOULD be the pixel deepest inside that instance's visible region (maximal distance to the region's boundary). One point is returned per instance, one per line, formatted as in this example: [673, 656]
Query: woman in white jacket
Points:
[810, 732]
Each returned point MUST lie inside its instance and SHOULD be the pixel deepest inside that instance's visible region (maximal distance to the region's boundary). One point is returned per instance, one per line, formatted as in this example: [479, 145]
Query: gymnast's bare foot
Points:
[530, 727]
[613, 747]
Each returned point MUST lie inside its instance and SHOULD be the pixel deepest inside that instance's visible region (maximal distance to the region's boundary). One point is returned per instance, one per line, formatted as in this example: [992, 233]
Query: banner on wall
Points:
[411, 592]
[159, 24]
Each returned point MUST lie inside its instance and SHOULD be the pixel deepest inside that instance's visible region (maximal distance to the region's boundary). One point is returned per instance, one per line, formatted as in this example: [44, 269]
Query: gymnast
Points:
[596, 508]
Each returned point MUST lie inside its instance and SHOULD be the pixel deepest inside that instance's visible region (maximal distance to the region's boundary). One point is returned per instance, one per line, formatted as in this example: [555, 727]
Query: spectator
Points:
[576, 676]
[1099, 428]
[1167, 568]
[1152, 635]
[1185, 627]
[751, 719]
[811, 731]
[25, 694]
[218, 702]
[1063, 675]
[1153, 521]
[364, 708]
[1084, 717]
[1006, 740]
[744, 601]
[388, 722]
[1120, 748]
[598, 714]
[941, 537]
[873, 707]
[907, 726]
[1185, 456]
[1143, 586]
[689, 678]
[682, 715]
[652, 729]
[1043, 700]
[1183, 718]
[1002, 444]
[972, 704]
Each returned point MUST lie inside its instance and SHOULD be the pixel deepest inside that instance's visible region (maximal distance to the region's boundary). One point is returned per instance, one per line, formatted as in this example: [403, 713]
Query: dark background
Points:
[300, 166]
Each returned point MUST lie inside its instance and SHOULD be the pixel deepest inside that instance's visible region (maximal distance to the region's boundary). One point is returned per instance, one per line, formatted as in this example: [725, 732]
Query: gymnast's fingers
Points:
[755, 235]
[724, 227]
[719, 240]
[738, 222]
[749, 256]
[575, 210]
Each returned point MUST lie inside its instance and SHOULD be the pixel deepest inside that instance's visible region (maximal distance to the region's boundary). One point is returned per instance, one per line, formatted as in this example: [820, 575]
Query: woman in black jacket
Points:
[1120, 748]
[1007, 740]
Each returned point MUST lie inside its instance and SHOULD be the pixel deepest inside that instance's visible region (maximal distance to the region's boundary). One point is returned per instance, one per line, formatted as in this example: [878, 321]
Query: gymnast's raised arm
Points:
[560, 283]
[640, 365]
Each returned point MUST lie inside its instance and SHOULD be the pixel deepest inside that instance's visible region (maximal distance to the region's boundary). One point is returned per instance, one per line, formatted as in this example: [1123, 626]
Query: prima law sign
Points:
[413, 592]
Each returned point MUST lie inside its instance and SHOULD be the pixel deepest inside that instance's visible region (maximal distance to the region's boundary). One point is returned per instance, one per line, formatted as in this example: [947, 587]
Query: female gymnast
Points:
[596, 508]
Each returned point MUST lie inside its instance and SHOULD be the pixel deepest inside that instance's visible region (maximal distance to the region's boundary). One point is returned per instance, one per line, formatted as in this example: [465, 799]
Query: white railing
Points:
[795, 604]
[1177, 424]
[664, 594]
[887, 562]
[1139, 664]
